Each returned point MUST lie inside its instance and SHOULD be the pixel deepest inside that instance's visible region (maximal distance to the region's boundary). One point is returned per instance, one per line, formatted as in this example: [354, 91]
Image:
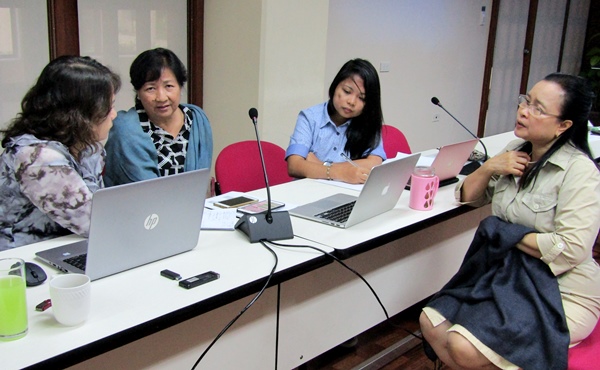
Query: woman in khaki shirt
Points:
[548, 181]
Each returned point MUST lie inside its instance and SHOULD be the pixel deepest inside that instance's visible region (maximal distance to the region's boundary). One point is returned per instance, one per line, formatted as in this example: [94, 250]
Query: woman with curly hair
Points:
[53, 154]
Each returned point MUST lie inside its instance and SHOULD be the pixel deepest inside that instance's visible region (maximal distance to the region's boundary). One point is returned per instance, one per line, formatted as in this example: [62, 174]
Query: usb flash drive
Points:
[197, 280]
[170, 275]
[44, 305]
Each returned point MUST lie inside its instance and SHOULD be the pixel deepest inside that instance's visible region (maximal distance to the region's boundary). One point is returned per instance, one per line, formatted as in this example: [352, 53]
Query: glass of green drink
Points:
[13, 307]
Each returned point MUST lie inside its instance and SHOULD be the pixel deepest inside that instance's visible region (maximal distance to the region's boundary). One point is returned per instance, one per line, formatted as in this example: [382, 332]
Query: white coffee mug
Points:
[71, 298]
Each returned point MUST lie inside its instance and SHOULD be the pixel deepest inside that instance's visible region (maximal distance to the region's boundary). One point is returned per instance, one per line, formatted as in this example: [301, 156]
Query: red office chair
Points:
[394, 141]
[584, 356]
[238, 167]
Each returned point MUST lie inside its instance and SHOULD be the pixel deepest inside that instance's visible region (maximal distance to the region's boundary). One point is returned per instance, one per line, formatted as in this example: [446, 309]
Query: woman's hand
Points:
[509, 163]
[312, 167]
[343, 171]
[348, 173]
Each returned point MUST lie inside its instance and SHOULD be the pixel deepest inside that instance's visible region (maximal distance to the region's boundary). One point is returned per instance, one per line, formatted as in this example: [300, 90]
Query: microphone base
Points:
[257, 228]
[470, 168]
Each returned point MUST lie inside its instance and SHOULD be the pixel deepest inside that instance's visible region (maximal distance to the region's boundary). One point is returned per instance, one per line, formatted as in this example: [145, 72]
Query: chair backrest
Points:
[238, 166]
[394, 141]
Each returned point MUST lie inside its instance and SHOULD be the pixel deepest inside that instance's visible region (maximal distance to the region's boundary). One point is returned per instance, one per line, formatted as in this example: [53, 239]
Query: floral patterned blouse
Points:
[44, 191]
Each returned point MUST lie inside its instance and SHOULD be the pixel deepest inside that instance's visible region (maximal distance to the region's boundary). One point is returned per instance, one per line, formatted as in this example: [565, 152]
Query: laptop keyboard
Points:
[77, 261]
[338, 214]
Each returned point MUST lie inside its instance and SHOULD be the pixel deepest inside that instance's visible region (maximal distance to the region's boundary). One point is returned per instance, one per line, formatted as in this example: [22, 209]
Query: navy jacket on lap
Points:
[507, 299]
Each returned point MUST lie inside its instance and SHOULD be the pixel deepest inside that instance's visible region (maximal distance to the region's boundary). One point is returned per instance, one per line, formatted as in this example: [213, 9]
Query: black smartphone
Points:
[197, 280]
[235, 202]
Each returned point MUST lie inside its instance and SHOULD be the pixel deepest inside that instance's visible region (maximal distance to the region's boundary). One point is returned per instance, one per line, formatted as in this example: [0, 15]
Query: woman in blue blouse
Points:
[341, 138]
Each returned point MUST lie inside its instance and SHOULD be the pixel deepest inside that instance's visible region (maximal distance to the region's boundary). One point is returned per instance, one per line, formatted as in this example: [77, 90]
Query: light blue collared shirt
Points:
[315, 132]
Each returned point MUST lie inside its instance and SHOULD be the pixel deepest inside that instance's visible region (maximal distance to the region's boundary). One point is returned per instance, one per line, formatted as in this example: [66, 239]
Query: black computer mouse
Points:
[34, 275]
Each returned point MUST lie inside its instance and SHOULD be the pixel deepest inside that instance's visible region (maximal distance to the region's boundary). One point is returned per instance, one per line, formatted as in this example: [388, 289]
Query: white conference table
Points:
[138, 302]
[366, 234]
[142, 320]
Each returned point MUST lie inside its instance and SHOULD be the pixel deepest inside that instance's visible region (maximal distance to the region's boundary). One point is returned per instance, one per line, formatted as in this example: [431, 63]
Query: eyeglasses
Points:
[534, 110]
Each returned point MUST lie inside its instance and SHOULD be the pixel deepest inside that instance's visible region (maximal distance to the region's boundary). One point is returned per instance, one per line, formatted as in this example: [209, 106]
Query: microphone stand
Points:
[267, 226]
[469, 168]
[268, 216]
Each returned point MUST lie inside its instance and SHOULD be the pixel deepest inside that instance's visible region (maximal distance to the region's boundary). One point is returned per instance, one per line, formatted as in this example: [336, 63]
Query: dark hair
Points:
[576, 107]
[148, 66]
[364, 132]
[71, 95]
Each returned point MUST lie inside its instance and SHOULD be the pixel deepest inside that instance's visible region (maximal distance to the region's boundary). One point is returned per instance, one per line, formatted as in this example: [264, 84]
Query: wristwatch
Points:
[328, 165]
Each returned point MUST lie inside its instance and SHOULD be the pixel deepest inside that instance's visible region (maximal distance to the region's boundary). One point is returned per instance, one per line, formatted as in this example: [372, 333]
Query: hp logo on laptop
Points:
[151, 221]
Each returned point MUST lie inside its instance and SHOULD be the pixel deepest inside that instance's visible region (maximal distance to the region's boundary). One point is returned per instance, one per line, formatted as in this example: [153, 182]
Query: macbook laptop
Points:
[379, 194]
[135, 224]
[450, 160]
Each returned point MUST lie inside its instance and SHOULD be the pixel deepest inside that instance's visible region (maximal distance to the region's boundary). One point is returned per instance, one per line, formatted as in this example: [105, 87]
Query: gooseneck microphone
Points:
[253, 113]
[436, 101]
[270, 225]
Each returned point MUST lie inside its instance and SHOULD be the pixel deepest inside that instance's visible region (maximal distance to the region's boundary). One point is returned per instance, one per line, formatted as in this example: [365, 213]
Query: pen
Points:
[348, 160]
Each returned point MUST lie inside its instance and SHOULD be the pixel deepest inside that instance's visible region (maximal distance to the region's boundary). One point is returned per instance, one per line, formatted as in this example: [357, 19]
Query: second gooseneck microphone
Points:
[436, 101]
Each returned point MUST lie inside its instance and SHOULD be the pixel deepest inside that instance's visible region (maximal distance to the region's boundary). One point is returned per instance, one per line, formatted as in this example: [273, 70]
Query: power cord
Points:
[341, 263]
[357, 274]
[259, 294]
[244, 309]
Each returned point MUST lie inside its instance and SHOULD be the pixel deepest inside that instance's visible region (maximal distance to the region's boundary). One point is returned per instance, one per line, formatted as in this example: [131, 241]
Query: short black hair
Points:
[148, 66]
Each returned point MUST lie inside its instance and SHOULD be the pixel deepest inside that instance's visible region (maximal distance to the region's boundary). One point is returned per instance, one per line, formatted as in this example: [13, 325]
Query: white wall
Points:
[23, 52]
[435, 48]
[115, 32]
[292, 63]
[302, 44]
[267, 54]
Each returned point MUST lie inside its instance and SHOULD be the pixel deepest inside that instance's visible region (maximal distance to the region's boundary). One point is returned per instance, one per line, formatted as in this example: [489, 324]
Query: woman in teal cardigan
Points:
[159, 136]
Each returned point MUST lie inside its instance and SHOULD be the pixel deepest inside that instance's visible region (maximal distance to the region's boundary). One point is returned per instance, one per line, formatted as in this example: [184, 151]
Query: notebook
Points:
[379, 194]
[135, 224]
[450, 160]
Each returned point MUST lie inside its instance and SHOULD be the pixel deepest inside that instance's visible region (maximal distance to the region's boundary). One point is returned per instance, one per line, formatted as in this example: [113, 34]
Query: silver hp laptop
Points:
[380, 193]
[135, 224]
[450, 160]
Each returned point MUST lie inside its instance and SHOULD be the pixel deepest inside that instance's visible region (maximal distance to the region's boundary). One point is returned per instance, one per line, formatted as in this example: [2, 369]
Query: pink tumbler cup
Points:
[424, 185]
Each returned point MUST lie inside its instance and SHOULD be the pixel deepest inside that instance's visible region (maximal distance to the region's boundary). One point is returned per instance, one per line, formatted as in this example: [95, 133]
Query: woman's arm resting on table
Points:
[312, 167]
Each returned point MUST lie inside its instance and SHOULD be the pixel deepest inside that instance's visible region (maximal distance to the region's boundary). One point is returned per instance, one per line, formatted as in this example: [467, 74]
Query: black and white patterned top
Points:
[171, 150]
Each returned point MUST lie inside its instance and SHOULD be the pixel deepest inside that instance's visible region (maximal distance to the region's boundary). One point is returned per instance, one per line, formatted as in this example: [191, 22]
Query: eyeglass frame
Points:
[533, 108]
